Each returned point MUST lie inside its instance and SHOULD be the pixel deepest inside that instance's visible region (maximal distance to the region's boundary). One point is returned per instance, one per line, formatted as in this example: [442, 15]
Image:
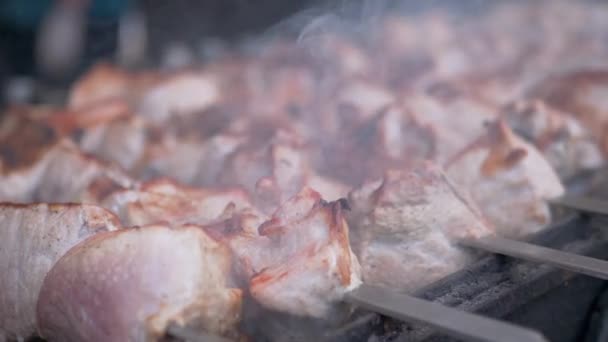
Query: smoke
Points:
[354, 18]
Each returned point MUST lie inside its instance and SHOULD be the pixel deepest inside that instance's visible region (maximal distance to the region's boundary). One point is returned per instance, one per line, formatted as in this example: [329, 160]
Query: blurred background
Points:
[49, 42]
[45, 44]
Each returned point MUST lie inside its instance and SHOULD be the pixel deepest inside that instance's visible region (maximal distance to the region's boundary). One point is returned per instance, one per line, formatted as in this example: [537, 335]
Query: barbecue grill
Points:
[563, 304]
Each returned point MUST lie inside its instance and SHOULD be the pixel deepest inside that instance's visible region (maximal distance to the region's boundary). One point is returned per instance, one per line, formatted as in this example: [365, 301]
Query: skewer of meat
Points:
[299, 261]
[32, 238]
[129, 285]
[261, 246]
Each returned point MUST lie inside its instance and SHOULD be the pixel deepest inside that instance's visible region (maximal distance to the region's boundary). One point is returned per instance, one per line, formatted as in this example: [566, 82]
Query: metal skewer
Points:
[458, 323]
[573, 262]
[584, 204]
[192, 335]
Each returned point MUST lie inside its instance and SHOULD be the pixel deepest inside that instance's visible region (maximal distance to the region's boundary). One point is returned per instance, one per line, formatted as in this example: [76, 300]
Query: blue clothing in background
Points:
[27, 14]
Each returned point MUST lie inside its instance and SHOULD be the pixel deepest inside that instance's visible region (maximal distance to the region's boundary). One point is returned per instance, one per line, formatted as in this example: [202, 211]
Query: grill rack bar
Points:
[522, 250]
[461, 324]
[583, 204]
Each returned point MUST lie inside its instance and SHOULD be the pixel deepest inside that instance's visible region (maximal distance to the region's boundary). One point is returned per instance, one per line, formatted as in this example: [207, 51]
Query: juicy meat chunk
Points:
[582, 94]
[393, 138]
[509, 179]
[275, 169]
[121, 141]
[313, 264]
[166, 201]
[181, 94]
[106, 82]
[38, 164]
[62, 174]
[190, 161]
[455, 116]
[568, 146]
[32, 238]
[405, 224]
[299, 261]
[101, 83]
[108, 130]
[130, 284]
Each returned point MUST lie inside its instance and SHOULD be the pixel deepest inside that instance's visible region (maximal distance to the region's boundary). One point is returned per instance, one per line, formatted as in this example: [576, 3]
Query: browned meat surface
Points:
[391, 138]
[130, 284]
[38, 164]
[62, 174]
[32, 239]
[455, 115]
[105, 82]
[299, 261]
[509, 179]
[407, 223]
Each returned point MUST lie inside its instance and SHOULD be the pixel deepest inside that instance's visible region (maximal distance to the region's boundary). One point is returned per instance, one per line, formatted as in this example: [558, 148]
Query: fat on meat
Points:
[509, 179]
[405, 225]
[130, 284]
[32, 239]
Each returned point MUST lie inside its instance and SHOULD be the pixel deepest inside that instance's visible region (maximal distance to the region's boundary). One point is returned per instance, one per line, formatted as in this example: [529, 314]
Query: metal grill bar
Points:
[584, 204]
[527, 251]
[467, 326]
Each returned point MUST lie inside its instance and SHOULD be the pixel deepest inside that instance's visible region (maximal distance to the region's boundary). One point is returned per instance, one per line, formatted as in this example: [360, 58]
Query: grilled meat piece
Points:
[274, 169]
[163, 200]
[38, 164]
[509, 179]
[453, 113]
[106, 82]
[181, 94]
[393, 138]
[568, 146]
[406, 224]
[130, 284]
[582, 94]
[121, 141]
[299, 261]
[62, 174]
[309, 241]
[32, 238]
[190, 161]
